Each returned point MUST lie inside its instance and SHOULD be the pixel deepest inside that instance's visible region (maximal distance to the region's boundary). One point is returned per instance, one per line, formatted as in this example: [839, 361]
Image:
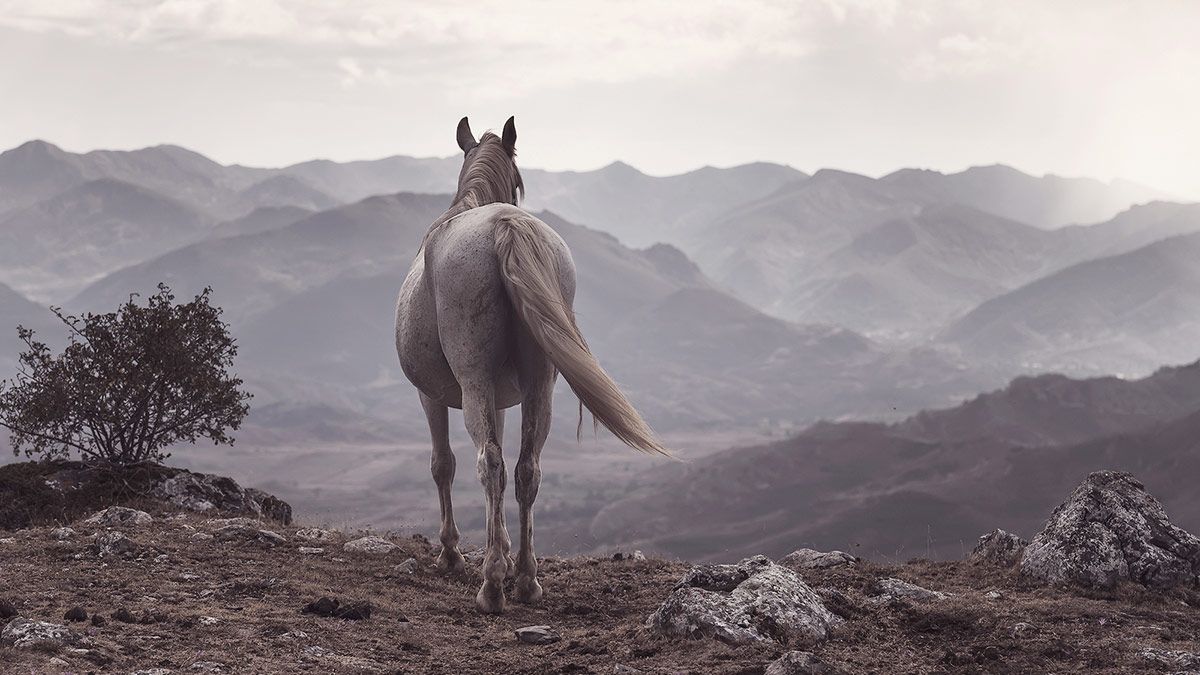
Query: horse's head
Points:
[489, 172]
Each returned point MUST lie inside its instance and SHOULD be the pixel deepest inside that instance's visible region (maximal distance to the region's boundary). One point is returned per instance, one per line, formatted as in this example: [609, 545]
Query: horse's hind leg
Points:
[479, 413]
[535, 425]
[442, 466]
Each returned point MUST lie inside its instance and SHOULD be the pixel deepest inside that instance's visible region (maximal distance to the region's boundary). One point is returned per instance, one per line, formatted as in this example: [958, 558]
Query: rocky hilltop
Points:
[1109, 585]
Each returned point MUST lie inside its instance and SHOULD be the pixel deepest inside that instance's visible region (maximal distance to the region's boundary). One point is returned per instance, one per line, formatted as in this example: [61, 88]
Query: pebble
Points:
[200, 536]
[370, 544]
[994, 595]
[311, 550]
[76, 614]
[537, 635]
[62, 533]
[407, 567]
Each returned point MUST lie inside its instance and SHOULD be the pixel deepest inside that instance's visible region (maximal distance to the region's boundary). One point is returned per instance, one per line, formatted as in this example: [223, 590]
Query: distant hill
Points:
[1047, 202]
[929, 484]
[1123, 314]
[56, 246]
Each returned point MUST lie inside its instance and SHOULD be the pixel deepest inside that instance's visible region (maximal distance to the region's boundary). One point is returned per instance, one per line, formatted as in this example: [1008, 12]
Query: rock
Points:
[204, 493]
[112, 543]
[998, 549]
[753, 601]
[892, 590]
[355, 611]
[21, 632]
[622, 669]
[76, 614]
[62, 533]
[208, 666]
[371, 544]
[800, 663]
[242, 521]
[636, 556]
[99, 621]
[201, 536]
[116, 516]
[1021, 628]
[321, 607]
[248, 533]
[315, 534]
[1171, 658]
[58, 663]
[7, 610]
[124, 616]
[537, 635]
[994, 595]
[407, 567]
[807, 558]
[208, 621]
[1111, 530]
[310, 550]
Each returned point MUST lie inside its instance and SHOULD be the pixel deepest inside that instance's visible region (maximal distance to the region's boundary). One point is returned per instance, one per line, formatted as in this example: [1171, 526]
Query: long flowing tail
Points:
[527, 264]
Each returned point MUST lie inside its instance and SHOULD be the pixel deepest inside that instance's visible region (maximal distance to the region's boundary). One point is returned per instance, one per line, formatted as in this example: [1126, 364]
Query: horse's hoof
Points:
[527, 591]
[450, 561]
[490, 599]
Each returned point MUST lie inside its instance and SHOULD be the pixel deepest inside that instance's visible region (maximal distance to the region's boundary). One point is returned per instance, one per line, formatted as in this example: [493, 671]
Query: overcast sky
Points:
[1093, 88]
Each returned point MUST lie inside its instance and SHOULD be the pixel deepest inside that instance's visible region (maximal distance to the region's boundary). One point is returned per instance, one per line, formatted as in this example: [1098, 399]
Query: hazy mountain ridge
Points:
[1003, 458]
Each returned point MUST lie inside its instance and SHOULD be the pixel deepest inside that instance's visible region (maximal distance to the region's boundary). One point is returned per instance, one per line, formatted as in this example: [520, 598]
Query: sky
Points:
[1092, 88]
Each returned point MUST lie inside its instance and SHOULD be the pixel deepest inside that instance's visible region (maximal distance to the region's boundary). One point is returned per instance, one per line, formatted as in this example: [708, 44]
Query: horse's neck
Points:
[470, 197]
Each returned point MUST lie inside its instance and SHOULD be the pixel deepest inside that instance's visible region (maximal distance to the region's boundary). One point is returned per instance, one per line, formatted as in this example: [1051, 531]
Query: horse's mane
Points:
[491, 177]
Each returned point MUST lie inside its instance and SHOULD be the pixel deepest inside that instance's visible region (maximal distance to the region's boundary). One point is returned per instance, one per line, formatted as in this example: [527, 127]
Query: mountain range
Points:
[732, 304]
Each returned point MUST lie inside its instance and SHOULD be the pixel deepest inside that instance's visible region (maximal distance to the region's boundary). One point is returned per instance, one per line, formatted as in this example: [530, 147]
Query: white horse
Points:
[484, 322]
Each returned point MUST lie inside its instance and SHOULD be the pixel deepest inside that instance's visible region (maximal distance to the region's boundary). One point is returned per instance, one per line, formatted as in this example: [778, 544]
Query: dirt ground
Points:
[209, 606]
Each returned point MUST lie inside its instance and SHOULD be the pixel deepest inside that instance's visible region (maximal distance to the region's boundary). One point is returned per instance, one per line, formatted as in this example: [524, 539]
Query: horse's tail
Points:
[530, 272]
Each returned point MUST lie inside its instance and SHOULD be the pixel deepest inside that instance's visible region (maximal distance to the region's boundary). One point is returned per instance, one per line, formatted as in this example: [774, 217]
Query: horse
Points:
[485, 321]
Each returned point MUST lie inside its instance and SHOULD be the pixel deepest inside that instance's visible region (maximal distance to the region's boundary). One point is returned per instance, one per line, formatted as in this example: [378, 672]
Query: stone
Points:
[537, 635]
[1021, 628]
[1171, 658]
[622, 669]
[99, 621]
[116, 516]
[891, 589]
[208, 621]
[801, 663]
[315, 534]
[242, 521]
[370, 544]
[112, 543]
[76, 614]
[407, 567]
[62, 533]
[321, 607]
[994, 595]
[249, 533]
[206, 493]
[809, 559]
[124, 616]
[998, 549]
[7, 609]
[1111, 530]
[311, 550]
[22, 632]
[201, 536]
[753, 601]
[636, 556]
[355, 611]
[58, 663]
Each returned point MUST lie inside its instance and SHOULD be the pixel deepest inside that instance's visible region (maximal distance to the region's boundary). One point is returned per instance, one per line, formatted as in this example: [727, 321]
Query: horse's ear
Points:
[466, 139]
[509, 139]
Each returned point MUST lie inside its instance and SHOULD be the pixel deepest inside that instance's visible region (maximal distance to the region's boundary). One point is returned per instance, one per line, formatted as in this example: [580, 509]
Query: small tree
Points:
[129, 383]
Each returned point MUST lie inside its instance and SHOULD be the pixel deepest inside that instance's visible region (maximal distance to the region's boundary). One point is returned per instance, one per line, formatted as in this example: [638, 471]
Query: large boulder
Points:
[204, 493]
[1111, 530]
[998, 549]
[752, 601]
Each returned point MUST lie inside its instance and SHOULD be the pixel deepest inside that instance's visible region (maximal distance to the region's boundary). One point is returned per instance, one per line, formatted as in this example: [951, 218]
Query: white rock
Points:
[208, 621]
[201, 536]
[316, 534]
[537, 635]
[800, 663]
[62, 533]
[119, 515]
[311, 550]
[370, 544]
[407, 567]
[58, 663]
[753, 601]
[891, 589]
[218, 523]
[807, 558]
[21, 632]
[112, 543]
[994, 595]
